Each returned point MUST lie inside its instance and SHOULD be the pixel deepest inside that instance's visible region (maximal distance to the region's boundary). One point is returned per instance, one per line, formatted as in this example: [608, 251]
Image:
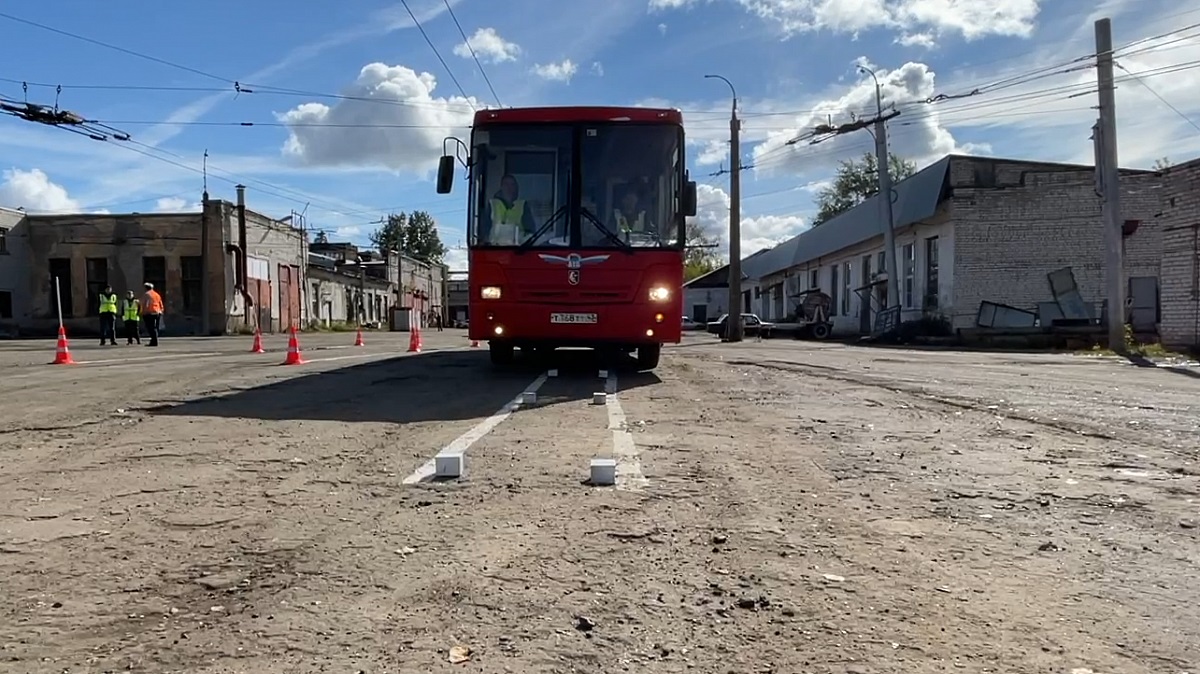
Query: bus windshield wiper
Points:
[528, 243]
[605, 230]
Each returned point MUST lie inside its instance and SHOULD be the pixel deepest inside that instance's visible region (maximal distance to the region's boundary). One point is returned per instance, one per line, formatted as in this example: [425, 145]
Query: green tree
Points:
[700, 255]
[414, 234]
[857, 180]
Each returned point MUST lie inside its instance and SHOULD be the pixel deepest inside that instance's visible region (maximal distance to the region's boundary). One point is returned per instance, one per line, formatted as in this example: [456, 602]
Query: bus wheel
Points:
[501, 353]
[648, 355]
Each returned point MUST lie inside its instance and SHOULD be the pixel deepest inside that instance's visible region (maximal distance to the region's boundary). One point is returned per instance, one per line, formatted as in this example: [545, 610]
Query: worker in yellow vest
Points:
[507, 219]
[131, 313]
[108, 316]
[629, 218]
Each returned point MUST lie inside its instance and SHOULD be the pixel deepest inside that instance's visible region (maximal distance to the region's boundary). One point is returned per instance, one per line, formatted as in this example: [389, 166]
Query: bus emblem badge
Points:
[573, 277]
[574, 260]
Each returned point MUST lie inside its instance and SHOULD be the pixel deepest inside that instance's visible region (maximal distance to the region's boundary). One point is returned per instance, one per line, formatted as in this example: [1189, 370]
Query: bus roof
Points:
[577, 114]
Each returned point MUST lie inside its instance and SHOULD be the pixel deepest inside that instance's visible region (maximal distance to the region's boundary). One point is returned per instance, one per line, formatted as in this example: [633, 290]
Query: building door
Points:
[1143, 303]
[700, 313]
[864, 297]
[286, 319]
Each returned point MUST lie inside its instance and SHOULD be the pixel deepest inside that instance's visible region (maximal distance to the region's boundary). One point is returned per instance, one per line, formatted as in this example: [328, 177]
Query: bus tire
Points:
[648, 356]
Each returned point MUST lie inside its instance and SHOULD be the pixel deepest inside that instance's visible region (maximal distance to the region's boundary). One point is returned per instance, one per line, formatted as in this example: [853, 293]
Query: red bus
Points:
[575, 228]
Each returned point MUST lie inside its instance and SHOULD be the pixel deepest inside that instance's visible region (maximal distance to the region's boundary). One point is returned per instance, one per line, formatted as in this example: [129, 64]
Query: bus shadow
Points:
[429, 387]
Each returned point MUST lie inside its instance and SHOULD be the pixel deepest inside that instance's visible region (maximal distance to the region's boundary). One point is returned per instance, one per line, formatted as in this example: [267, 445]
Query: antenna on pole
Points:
[205, 170]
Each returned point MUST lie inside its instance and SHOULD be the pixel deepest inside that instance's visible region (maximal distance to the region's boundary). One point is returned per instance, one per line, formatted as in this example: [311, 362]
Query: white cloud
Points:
[922, 138]
[972, 19]
[456, 259]
[176, 205]
[662, 28]
[489, 47]
[35, 192]
[347, 232]
[712, 214]
[598, 69]
[925, 40]
[382, 22]
[556, 72]
[714, 152]
[390, 118]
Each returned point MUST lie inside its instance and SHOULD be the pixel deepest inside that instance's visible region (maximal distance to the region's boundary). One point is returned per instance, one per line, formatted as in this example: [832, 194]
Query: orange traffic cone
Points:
[293, 352]
[258, 347]
[414, 340]
[62, 354]
[358, 340]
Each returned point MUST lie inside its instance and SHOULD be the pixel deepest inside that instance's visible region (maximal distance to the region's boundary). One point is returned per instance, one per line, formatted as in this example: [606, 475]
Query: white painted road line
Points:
[460, 445]
[629, 464]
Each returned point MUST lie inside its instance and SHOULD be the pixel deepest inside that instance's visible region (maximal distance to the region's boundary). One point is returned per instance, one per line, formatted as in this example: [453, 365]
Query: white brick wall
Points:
[1008, 239]
[1180, 261]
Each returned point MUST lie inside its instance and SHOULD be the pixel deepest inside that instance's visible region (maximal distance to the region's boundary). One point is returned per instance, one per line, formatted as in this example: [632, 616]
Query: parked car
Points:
[752, 326]
[689, 324]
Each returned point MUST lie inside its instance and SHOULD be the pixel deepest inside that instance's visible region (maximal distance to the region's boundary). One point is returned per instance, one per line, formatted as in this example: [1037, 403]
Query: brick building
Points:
[1180, 266]
[260, 269]
[968, 230]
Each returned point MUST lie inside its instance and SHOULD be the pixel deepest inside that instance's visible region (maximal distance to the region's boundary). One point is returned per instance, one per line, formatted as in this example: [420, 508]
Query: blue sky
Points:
[792, 61]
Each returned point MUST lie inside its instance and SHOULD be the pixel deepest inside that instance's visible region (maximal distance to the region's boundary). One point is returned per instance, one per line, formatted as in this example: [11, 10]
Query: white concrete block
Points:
[604, 472]
[604, 374]
[552, 373]
[449, 465]
[600, 398]
[528, 398]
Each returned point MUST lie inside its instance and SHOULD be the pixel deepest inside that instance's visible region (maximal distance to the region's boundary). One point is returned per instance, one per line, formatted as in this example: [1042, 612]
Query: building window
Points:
[931, 273]
[3, 240]
[833, 290]
[192, 284]
[6, 304]
[909, 261]
[154, 270]
[847, 282]
[96, 274]
[60, 270]
[814, 279]
[882, 266]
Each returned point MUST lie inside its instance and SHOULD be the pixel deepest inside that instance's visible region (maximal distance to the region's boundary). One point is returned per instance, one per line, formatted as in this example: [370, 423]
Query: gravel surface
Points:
[784, 507]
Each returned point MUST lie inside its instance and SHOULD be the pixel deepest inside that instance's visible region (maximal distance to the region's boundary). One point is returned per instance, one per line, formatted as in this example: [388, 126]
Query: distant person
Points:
[108, 316]
[131, 314]
[507, 217]
[152, 312]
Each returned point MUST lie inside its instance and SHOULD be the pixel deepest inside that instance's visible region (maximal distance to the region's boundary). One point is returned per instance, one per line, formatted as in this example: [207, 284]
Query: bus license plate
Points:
[572, 318]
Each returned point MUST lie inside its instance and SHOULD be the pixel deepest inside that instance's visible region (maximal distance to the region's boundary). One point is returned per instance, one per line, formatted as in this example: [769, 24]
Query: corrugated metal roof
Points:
[719, 278]
[917, 199]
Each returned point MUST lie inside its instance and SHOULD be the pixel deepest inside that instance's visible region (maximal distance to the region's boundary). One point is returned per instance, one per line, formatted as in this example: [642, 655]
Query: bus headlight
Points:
[490, 292]
[659, 294]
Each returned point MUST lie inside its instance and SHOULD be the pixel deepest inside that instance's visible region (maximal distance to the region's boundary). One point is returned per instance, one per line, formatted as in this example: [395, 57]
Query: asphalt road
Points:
[781, 506]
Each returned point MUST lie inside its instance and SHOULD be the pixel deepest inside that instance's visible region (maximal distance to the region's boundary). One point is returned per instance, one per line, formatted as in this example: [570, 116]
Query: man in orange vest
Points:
[152, 311]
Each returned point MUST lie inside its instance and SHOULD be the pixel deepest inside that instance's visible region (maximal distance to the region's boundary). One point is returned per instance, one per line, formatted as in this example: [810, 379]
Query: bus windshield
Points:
[628, 179]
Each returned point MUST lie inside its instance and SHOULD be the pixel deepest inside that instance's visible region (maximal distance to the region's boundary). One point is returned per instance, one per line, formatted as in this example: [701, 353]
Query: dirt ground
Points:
[800, 508]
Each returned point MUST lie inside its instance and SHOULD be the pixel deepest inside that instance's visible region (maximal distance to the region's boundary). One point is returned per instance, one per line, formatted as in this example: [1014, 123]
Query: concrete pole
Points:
[887, 221]
[733, 326]
[1111, 206]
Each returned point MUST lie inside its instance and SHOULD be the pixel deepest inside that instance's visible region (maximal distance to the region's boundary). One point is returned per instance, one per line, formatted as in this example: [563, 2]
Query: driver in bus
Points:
[631, 218]
[508, 218]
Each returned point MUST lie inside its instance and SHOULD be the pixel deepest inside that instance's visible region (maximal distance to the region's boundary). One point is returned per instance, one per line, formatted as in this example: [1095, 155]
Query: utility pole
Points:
[1111, 187]
[885, 194]
[824, 132]
[733, 324]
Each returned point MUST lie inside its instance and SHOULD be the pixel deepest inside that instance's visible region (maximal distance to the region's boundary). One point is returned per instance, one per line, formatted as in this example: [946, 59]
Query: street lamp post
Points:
[733, 325]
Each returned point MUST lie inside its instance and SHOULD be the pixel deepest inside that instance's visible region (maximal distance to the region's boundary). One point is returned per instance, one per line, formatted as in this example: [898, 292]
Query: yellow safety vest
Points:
[108, 303]
[506, 215]
[131, 310]
[638, 225]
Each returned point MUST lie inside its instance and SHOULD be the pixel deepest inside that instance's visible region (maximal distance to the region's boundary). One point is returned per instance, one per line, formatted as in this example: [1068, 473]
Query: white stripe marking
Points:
[629, 464]
[169, 356]
[462, 443]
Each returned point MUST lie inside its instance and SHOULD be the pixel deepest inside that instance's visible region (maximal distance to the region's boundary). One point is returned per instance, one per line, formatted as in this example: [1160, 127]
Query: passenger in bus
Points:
[507, 217]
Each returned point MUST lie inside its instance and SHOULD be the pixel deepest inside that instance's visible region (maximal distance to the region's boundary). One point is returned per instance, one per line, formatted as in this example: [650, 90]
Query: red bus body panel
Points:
[616, 289]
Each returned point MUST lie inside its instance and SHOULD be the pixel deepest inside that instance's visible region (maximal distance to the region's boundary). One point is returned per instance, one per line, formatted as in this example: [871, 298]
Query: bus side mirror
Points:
[687, 201]
[445, 176]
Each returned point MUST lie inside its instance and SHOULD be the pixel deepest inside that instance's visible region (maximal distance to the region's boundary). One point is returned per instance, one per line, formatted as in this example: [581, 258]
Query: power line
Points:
[437, 53]
[1159, 96]
[471, 49]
